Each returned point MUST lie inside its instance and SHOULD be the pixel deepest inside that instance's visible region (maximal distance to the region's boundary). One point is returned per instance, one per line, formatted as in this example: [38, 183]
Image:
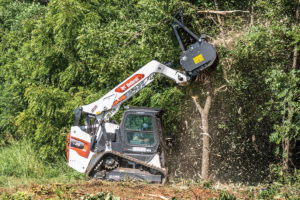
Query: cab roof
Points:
[143, 109]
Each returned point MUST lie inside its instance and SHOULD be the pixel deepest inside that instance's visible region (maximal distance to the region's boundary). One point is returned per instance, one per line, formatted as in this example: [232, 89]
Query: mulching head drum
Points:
[197, 57]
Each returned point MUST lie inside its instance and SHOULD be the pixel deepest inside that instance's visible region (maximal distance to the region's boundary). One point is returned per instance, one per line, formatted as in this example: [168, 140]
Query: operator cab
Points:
[140, 132]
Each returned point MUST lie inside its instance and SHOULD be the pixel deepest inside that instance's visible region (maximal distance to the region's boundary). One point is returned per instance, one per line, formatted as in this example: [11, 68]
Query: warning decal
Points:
[198, 58]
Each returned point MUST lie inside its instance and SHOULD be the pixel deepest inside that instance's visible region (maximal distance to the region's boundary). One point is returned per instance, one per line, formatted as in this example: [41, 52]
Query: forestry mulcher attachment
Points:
[135, 148]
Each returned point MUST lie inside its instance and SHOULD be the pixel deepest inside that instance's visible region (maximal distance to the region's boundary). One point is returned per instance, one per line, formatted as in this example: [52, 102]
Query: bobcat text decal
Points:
[134, 79]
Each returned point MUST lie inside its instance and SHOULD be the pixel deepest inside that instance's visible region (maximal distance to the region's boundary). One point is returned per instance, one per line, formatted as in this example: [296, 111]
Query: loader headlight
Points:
[76, 144]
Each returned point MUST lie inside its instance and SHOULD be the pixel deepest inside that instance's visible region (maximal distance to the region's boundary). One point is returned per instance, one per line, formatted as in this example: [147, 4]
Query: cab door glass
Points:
[139, 123]
[139, 130]
[140, 138]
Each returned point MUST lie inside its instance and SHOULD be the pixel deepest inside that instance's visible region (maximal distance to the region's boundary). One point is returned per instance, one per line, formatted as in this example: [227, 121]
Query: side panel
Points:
[155, 161]
[79, 149]
[110, 127]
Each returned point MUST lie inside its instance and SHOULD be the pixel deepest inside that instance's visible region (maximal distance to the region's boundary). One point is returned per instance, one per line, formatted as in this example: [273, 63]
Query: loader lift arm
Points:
[110, 103]
[197, 57]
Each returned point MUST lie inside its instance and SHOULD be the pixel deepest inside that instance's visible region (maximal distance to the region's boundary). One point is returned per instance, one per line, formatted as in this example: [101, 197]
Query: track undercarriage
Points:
[115, 166]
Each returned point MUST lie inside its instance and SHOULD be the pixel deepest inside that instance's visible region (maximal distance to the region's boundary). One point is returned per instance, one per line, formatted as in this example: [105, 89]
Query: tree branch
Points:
[196, 102]
[157, 195]
[208, 95]
[220, 88]
[225, 12]
[219, 19]
[295, 56]
[252, 13]
[133, 38]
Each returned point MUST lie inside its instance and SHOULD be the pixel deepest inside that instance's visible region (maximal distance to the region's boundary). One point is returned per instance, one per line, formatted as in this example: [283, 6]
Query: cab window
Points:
[140, 138]
[139, 130]
[139, 123]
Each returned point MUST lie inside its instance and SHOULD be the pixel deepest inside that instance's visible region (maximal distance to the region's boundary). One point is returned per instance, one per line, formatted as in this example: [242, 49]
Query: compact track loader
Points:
[134, 148]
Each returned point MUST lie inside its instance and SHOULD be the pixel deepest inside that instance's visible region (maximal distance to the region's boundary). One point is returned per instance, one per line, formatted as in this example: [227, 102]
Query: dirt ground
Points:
[133, 190]
[124, 190]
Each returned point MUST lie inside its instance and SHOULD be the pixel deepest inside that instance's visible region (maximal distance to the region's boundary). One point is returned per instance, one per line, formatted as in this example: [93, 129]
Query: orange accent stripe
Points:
[115, 103]
[68, 145]
[119, 100]
[122, 98]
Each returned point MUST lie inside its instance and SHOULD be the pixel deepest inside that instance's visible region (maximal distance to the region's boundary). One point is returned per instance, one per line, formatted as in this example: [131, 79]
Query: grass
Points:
[20, 164]
[100, 196]
[28, 196]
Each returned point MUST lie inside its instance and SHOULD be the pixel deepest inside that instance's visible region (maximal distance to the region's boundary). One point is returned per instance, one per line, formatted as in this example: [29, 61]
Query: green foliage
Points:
[47, 117]
[100, 196]
[21, 161]
[281, 108]
[292, 179]
[285, 101]
[269, 193]
[207, 185]
[278, 11]
[16, 196]
[263, 85]
[70, 53]
[226, 196]
[15, 34]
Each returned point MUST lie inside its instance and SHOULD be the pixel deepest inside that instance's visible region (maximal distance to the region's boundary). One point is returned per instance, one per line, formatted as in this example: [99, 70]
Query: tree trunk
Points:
[219, 19]
[252, 13]
[286, 159]
[204, 112]
[206, 145]
[286, 143]
[296, 46]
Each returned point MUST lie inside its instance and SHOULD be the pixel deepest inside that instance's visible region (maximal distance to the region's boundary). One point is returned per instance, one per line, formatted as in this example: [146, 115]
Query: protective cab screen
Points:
[139, 130]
